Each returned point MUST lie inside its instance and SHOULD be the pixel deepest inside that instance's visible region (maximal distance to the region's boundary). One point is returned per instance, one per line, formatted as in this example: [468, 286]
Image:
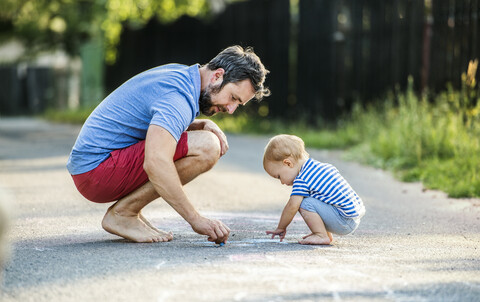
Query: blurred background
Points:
[394, 82]
[324, 55]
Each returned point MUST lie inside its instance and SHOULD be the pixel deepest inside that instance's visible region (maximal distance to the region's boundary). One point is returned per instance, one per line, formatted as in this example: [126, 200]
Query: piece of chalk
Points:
[222, 243]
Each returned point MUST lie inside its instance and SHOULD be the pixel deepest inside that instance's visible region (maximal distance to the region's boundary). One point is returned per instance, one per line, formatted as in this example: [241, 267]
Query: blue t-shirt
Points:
[322, 181]
[166, 96]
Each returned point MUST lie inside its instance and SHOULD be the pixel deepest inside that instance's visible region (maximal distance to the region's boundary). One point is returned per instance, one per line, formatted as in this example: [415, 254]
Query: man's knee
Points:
[206, 145]
[211, 148]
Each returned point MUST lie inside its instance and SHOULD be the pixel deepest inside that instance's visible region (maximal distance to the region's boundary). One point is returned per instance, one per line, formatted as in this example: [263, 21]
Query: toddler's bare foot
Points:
[316, 239]
[129, 227]
[164, 235]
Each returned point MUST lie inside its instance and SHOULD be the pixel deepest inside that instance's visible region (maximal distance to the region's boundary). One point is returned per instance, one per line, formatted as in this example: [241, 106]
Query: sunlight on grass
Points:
[433, 141]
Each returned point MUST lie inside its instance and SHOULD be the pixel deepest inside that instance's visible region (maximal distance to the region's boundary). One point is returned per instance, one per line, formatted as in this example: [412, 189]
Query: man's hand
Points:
[278, 232]
[215, 230]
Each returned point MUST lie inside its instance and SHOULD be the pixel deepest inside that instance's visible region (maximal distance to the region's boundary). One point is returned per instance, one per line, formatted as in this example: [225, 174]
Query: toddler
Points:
[325, 200]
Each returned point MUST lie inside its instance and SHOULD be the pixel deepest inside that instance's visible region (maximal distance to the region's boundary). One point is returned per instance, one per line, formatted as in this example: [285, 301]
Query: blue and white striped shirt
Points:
[323, 182]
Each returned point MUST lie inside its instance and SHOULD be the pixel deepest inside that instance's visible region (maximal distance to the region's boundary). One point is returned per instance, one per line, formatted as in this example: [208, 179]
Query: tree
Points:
[68, 24]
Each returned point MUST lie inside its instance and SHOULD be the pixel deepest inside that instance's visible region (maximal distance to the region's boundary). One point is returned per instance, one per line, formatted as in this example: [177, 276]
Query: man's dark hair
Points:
[240, 64]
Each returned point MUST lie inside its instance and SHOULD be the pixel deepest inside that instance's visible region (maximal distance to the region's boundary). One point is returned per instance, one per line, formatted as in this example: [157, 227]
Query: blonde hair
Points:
[283, 146]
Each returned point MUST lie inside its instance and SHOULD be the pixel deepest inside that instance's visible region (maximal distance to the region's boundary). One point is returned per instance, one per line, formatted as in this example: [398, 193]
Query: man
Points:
[143, 140]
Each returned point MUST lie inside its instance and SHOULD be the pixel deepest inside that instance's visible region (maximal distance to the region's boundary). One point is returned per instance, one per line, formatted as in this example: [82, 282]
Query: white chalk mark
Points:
[266, 240]
[246, 242]
[41, 249]
[247, 257]
[240, 296]
[160, 264]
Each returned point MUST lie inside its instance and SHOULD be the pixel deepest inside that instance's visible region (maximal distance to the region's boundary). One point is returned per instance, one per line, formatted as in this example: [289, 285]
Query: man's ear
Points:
[217, 76]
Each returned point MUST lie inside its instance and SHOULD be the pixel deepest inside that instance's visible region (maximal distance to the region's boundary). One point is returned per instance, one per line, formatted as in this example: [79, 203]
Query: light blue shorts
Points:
[333, 220]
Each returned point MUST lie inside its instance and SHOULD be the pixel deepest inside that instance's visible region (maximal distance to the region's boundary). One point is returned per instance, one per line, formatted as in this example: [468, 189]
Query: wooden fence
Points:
[323, 55]
[353, 50]
[263, 24]
[356, 50]
[453, 34]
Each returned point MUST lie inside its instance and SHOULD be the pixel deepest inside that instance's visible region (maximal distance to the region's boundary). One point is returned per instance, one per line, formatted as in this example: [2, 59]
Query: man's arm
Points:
[204, 124]
[291, 208]
[160, 148]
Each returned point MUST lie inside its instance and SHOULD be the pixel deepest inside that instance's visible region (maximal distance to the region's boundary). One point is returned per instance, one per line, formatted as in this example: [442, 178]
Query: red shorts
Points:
[121, 173]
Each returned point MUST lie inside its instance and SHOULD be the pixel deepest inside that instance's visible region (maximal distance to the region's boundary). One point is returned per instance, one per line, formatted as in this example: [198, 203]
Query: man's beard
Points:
[205, 101]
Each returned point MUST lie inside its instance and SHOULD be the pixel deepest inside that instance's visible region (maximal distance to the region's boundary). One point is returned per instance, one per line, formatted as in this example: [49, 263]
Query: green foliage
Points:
[139, 12]
[48, 24]
[44, 24]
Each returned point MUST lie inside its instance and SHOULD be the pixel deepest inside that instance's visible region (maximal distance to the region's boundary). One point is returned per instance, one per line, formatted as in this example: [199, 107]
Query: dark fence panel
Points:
[316, 58]
[346, 50]
[355, 50]
[454, 41]
[40, 87]
[190, 41]
[343, 51]
[25, 90]
[12, 98]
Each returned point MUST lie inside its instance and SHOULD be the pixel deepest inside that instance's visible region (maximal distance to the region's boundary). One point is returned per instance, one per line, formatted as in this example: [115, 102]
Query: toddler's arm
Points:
[291, 208]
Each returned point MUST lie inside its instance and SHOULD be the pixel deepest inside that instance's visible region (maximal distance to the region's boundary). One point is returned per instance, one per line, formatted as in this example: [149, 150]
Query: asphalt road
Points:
[412, 245]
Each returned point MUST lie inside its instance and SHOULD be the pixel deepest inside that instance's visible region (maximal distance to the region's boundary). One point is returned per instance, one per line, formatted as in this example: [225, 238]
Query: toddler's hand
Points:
[280, 232]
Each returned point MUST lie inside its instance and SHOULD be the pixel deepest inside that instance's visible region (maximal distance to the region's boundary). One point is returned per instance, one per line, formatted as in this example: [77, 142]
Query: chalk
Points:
[222, 243]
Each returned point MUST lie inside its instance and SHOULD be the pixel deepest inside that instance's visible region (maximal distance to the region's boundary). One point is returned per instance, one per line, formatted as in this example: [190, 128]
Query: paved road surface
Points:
[412, 245]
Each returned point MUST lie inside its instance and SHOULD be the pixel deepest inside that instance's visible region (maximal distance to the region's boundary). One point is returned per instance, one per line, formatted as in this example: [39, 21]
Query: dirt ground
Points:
[412, 245]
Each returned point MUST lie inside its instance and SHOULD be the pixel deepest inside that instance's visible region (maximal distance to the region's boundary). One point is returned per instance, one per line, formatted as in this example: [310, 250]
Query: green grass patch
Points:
[77, 116]
[457, 176]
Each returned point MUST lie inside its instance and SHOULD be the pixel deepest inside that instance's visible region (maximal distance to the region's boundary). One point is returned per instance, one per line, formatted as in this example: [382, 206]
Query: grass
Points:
[434, 141]
[76, 116]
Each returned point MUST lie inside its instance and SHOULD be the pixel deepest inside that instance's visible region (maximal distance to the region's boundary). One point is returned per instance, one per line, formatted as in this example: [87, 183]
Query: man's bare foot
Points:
[316, 239]
[166, 236]
[130, 227]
